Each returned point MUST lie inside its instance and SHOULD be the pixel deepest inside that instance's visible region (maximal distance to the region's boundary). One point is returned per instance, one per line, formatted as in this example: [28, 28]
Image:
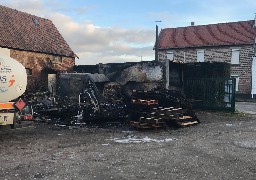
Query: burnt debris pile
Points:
[143, 109]
[102, 107]
[46, 107]
[128, 93]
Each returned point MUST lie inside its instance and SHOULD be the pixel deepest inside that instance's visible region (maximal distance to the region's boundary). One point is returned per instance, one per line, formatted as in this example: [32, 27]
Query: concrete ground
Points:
[222, 146]
[246, 107]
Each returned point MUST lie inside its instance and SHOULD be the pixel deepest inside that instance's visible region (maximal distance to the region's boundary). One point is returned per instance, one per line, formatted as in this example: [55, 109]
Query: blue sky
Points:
[124, 30]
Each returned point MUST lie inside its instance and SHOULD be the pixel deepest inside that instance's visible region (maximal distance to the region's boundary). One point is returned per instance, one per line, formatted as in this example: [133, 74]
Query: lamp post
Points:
[156, 43]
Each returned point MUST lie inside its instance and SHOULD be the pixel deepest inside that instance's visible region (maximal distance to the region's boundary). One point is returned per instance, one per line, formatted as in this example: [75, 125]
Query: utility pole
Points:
[156, 43]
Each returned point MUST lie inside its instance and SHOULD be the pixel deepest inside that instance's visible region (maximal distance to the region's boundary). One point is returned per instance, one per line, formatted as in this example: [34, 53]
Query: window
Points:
[235, 56]
[200, 56]
[237, 80]
[29, 71]
[169, 56]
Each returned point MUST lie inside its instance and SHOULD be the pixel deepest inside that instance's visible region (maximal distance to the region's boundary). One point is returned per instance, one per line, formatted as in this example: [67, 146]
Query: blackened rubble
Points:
[133, 93]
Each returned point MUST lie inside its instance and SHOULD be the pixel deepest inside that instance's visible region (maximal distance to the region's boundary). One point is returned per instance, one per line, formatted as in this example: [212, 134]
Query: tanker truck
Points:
[13, 82]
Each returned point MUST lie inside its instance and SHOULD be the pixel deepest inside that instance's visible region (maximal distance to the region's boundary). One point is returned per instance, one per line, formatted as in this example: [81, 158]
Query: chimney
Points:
[192, 23]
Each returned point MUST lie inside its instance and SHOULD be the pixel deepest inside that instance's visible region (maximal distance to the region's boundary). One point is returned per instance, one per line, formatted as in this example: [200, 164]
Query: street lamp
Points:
[156, 43]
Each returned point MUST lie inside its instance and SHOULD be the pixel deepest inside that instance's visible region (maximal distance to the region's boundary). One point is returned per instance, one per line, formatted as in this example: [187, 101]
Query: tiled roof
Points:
[19, 30]
[233, 33]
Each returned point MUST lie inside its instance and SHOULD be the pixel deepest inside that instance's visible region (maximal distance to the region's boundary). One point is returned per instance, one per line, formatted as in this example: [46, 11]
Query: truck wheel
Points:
[15, 120]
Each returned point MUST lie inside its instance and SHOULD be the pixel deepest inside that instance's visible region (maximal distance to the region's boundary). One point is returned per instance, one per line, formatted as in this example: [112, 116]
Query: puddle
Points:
[134, 139]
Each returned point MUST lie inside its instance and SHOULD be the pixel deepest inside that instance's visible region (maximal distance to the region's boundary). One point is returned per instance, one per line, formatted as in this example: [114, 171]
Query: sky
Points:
[114, 31]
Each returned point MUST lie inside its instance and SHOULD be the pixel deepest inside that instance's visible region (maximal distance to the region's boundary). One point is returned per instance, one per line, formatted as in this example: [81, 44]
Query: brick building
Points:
[37, 44]
[232, 42]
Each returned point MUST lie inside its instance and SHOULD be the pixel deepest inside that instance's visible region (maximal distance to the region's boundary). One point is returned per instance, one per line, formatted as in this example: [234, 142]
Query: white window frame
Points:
[237, 80]
[170, 55]
[200, 55]
[235, 56]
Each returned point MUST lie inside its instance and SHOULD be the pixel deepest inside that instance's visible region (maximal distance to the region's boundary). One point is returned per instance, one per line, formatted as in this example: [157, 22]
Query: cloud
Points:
[61, 7]
[35, 7]
[93, 44]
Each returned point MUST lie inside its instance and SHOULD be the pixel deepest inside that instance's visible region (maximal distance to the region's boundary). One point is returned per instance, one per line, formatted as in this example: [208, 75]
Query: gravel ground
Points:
[223, 146]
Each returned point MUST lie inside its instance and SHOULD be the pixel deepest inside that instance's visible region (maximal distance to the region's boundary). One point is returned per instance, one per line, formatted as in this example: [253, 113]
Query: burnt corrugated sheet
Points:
[135, 72]
[97, 77]
[146, 75]
[70, 85]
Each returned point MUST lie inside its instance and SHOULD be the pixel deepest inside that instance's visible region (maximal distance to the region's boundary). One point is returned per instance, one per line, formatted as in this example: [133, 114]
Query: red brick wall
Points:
[221, 54]
[38, 62]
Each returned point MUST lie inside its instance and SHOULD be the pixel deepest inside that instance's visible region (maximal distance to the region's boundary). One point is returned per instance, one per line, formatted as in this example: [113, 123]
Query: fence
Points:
[209, 93]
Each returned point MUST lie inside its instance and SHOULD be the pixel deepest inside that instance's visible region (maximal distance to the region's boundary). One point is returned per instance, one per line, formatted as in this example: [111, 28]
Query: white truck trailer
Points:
[13, 82]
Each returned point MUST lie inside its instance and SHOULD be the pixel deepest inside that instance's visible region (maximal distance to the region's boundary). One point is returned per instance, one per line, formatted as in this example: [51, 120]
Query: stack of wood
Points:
[161, 117]
[150, 115]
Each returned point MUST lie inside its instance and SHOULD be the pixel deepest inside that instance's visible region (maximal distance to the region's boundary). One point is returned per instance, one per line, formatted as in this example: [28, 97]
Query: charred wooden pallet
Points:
[147, 107]
[187, 121]
[161, 117]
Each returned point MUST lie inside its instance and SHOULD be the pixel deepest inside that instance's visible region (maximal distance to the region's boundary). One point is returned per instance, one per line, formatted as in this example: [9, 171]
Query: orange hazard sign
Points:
[8, 105]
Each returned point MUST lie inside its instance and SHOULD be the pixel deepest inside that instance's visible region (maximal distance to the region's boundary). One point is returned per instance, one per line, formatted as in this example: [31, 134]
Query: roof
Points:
[27, 32]
[232, 33]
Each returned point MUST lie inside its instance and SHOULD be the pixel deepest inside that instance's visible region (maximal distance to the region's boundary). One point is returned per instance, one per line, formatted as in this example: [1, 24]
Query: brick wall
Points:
[220, 54]
[38, 62]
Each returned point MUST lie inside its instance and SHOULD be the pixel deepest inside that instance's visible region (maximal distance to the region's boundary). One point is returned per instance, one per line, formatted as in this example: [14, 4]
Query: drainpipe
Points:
[254, 60]
[167, 75]
[255, 35]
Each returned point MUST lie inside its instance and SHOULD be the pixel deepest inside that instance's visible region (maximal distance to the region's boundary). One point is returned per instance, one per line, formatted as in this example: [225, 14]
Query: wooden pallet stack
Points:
[161, 117]
[151, 115]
